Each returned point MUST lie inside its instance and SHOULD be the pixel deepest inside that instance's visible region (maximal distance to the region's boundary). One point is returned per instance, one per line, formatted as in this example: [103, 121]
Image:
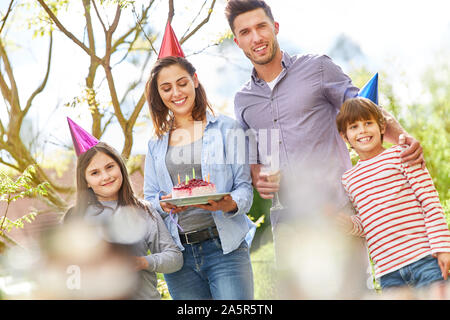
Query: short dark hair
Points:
[237, 7]
[356, 109]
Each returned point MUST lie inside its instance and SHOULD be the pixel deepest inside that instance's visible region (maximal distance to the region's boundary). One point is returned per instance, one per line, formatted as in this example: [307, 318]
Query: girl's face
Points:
[177, 89]
[103, 175]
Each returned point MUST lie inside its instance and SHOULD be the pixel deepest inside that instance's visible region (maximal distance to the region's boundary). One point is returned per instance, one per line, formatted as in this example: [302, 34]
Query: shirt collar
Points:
[286, 62]
[210, 118]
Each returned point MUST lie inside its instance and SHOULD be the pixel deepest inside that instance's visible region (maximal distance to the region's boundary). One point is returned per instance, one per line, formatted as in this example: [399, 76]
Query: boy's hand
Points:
[414, 153]
[444, 263]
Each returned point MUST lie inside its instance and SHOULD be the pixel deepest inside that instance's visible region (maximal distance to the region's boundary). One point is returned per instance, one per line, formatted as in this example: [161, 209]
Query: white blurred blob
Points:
[76, 240]
[316, 259]
[20, 258]
[318, 262]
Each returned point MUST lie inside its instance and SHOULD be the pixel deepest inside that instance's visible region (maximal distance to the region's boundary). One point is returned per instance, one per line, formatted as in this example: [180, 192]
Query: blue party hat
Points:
[370, 90]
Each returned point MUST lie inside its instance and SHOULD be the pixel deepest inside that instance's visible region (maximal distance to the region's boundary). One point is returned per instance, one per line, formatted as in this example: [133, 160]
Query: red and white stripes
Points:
[399, 211]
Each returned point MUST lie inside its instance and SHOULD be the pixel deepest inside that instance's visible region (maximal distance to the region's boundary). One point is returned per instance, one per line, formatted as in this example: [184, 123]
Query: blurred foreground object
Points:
[73, 262]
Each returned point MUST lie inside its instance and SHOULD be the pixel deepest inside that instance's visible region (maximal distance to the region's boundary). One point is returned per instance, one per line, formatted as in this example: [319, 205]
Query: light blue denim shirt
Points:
[223, 159]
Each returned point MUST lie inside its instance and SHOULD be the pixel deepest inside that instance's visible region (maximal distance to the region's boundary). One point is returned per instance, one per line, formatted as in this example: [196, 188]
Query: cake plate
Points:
[203, 199]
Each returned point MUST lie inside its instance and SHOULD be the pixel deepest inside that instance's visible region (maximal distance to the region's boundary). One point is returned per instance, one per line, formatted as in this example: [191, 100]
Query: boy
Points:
[398, 209]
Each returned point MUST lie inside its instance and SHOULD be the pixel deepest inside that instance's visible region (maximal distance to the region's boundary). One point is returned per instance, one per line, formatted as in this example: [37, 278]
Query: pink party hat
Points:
[82, 140]
[170, 45]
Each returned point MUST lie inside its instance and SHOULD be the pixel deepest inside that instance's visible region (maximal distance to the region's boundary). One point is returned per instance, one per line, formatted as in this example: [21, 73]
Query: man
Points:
[296, 99]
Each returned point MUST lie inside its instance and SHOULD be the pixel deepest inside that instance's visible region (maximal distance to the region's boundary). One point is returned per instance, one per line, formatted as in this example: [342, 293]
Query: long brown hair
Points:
[161, 115]
[86, 196]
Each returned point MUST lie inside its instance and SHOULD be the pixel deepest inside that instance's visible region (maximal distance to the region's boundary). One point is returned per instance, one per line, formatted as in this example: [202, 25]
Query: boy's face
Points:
[365, 138]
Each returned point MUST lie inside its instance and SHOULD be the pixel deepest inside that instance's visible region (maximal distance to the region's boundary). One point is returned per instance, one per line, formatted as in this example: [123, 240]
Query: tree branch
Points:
[137, 27]
[90, 78]
[6, 92]
[13, 97]
[115, 23]
[6, 16]
[98, 16]
[171, 12]
[143, 31]
[137, 110]
[195, 18]
[200, 24]
[44, 82]
[90, 30]
[68, 33]
[9, 165]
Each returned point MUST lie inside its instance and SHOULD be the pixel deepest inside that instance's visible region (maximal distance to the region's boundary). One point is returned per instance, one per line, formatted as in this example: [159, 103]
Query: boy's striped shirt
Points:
[399, 212]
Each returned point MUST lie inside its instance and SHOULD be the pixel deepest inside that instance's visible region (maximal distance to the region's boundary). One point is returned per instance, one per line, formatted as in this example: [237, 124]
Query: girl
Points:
[105, 198]
[188, 136]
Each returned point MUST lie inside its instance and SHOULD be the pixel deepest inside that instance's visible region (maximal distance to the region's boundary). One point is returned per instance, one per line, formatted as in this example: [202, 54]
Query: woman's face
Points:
[177, 89]
[103, 175]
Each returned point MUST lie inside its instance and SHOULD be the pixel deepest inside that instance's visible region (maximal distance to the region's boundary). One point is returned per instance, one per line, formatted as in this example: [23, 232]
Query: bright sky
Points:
[400, 37]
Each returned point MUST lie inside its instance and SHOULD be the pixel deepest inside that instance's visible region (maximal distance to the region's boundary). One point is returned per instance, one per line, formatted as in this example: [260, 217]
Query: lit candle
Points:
[187, 179]
[208, 177]
[179, 181]
[193, 173]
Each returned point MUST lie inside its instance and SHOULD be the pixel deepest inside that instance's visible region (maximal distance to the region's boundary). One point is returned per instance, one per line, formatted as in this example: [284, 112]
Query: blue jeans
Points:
[417, 274]
[207, 273]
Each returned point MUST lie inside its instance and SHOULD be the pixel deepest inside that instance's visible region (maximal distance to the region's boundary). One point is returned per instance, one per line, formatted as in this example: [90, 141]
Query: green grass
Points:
[263, 263]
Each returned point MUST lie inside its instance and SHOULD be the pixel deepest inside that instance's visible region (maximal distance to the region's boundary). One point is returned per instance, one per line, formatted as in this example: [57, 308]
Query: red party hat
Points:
[170, 45]
[82, 140]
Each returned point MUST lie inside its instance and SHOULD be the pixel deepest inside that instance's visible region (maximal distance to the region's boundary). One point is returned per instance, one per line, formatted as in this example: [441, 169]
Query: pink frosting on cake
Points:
[195, 187]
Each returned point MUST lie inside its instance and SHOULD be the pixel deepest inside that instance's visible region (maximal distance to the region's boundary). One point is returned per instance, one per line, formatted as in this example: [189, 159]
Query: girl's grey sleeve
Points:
[165, 256]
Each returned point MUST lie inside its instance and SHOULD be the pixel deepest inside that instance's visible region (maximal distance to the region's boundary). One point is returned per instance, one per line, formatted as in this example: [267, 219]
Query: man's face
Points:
[256, 34]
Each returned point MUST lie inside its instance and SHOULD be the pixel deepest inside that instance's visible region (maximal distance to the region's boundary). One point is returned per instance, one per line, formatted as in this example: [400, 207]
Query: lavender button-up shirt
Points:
[298, 117]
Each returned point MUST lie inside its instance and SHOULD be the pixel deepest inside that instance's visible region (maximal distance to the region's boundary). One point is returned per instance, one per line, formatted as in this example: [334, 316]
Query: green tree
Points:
[12, 190]
[105, 45]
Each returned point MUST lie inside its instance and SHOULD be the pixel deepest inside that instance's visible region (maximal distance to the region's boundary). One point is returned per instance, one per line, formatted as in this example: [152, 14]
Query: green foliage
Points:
[259, 213]
[14, 189]
[39, 22]
[121, 3]
[162, 287]
[446, 206]
[264, 273]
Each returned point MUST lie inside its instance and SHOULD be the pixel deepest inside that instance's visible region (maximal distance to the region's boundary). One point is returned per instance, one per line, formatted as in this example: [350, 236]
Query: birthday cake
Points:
[192, 188]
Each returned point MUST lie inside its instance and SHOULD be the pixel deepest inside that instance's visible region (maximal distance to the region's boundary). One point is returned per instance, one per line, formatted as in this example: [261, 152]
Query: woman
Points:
[189, 137]
[106, 199]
